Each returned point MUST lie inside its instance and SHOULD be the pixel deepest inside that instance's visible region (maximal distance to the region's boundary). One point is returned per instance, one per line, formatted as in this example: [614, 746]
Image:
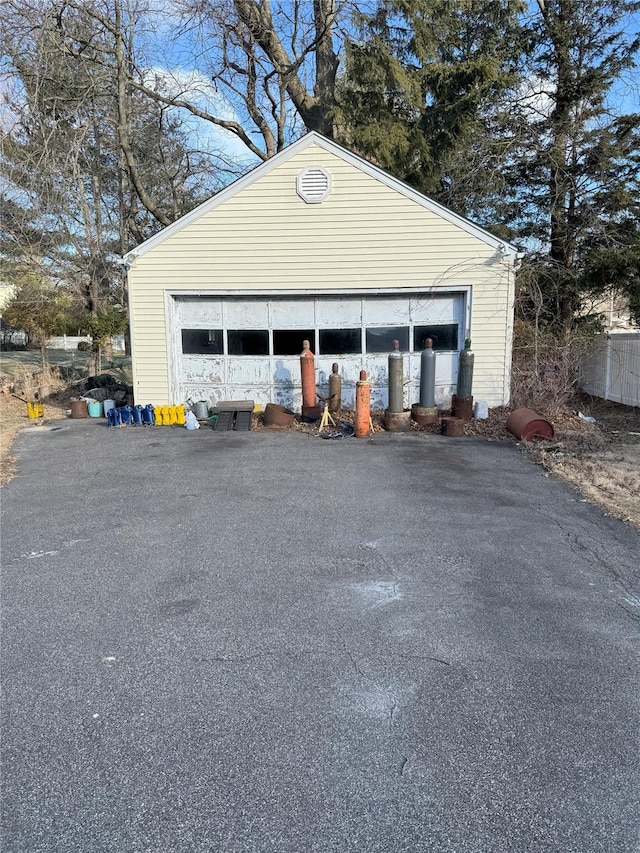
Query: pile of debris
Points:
[98, 388]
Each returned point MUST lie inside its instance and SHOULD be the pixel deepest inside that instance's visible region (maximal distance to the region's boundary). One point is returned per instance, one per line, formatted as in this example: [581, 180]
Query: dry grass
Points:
[610, 479]
[602, 459]
[21, 372]
[13, 417]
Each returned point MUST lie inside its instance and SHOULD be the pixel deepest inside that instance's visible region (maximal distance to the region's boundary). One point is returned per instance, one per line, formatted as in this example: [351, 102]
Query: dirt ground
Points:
[13, 417]
[22, 374]
[602, 459]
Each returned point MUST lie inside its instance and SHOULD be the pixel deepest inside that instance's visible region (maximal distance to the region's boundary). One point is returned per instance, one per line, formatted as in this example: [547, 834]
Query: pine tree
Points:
[573, 182]
[419, 79]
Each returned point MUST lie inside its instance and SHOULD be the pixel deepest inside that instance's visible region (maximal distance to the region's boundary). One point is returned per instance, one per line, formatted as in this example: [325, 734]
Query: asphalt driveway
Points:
[269, 642]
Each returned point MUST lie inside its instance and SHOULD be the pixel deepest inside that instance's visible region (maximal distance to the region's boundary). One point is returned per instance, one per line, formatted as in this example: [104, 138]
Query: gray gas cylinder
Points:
[396, 379]
[465, 370]
[428, 376]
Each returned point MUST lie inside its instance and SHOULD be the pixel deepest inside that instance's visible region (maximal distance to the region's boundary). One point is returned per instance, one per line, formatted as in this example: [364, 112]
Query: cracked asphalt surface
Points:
[269, 642]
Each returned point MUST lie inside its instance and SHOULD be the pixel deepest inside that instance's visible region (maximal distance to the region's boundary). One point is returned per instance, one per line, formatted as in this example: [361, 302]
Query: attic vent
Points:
[313, 184]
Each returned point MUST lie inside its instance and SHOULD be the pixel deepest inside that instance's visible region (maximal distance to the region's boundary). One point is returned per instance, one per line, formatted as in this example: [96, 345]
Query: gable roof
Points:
[508, 250]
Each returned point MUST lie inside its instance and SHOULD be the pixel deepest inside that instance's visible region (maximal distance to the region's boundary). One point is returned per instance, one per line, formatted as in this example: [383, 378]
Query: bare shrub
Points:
[39, 384]
[545, 369]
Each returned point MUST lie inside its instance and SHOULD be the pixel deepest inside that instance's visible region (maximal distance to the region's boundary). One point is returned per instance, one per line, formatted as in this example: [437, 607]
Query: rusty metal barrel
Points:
[452, 427]
[525, 424]
[462, 407]
[79, 409]
[277, 416]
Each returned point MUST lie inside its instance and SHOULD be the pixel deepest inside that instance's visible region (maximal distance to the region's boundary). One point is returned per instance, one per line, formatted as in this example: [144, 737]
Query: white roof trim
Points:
[508, 250]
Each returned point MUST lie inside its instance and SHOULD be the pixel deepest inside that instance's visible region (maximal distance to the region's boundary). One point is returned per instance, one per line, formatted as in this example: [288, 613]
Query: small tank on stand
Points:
[395, 418]
[363, 407]
[425, 412]
[462, 401]
[335, 390]
[310, 409]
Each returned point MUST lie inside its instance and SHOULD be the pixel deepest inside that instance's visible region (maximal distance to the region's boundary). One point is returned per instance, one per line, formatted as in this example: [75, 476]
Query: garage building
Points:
[317, 244]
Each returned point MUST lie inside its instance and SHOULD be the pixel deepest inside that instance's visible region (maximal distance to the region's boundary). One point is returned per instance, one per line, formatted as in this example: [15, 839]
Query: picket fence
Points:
[69, 342]
[612, 368]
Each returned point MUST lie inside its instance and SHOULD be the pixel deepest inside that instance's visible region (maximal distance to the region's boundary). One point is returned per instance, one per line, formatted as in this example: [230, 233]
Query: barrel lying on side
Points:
[526, 424]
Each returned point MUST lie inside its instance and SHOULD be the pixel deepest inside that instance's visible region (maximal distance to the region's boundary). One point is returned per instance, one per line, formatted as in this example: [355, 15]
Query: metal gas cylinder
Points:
[396, 364]
[335, 389]
[308, 376]
[465, 370]
[428, 376]
[363, 406]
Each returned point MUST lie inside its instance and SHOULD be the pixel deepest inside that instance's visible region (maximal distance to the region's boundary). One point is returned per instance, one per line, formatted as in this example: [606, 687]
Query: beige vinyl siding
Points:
[365, 235]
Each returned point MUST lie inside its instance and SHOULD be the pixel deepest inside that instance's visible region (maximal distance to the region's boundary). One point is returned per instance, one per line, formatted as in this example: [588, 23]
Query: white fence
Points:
[68, 342]
[612, 368]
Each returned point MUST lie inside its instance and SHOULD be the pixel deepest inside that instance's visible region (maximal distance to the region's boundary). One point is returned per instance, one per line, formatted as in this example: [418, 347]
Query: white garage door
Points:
[232, 349]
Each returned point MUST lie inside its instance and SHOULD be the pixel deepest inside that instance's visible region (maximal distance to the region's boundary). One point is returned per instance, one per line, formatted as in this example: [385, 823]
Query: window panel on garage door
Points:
[248, 342]
[444, 337]
[202, 341]
[289, 341]
[340, 341]
[381, 338]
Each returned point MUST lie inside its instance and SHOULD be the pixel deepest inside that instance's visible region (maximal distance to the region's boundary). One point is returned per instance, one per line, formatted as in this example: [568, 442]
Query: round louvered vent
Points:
[313, 184]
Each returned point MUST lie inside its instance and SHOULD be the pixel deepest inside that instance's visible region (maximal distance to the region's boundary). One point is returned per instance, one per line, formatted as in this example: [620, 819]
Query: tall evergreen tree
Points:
[420, 77]
[576, 179]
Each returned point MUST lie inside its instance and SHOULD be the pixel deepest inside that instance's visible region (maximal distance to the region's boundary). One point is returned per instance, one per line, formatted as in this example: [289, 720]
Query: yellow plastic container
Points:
[169, 415]
[35, 410]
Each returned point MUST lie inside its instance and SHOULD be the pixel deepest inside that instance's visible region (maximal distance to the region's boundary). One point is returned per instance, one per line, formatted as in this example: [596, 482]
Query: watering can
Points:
[201, 410]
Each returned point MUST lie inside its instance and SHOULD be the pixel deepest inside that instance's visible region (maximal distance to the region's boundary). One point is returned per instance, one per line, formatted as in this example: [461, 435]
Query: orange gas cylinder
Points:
[308, 376]
[363, 406]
